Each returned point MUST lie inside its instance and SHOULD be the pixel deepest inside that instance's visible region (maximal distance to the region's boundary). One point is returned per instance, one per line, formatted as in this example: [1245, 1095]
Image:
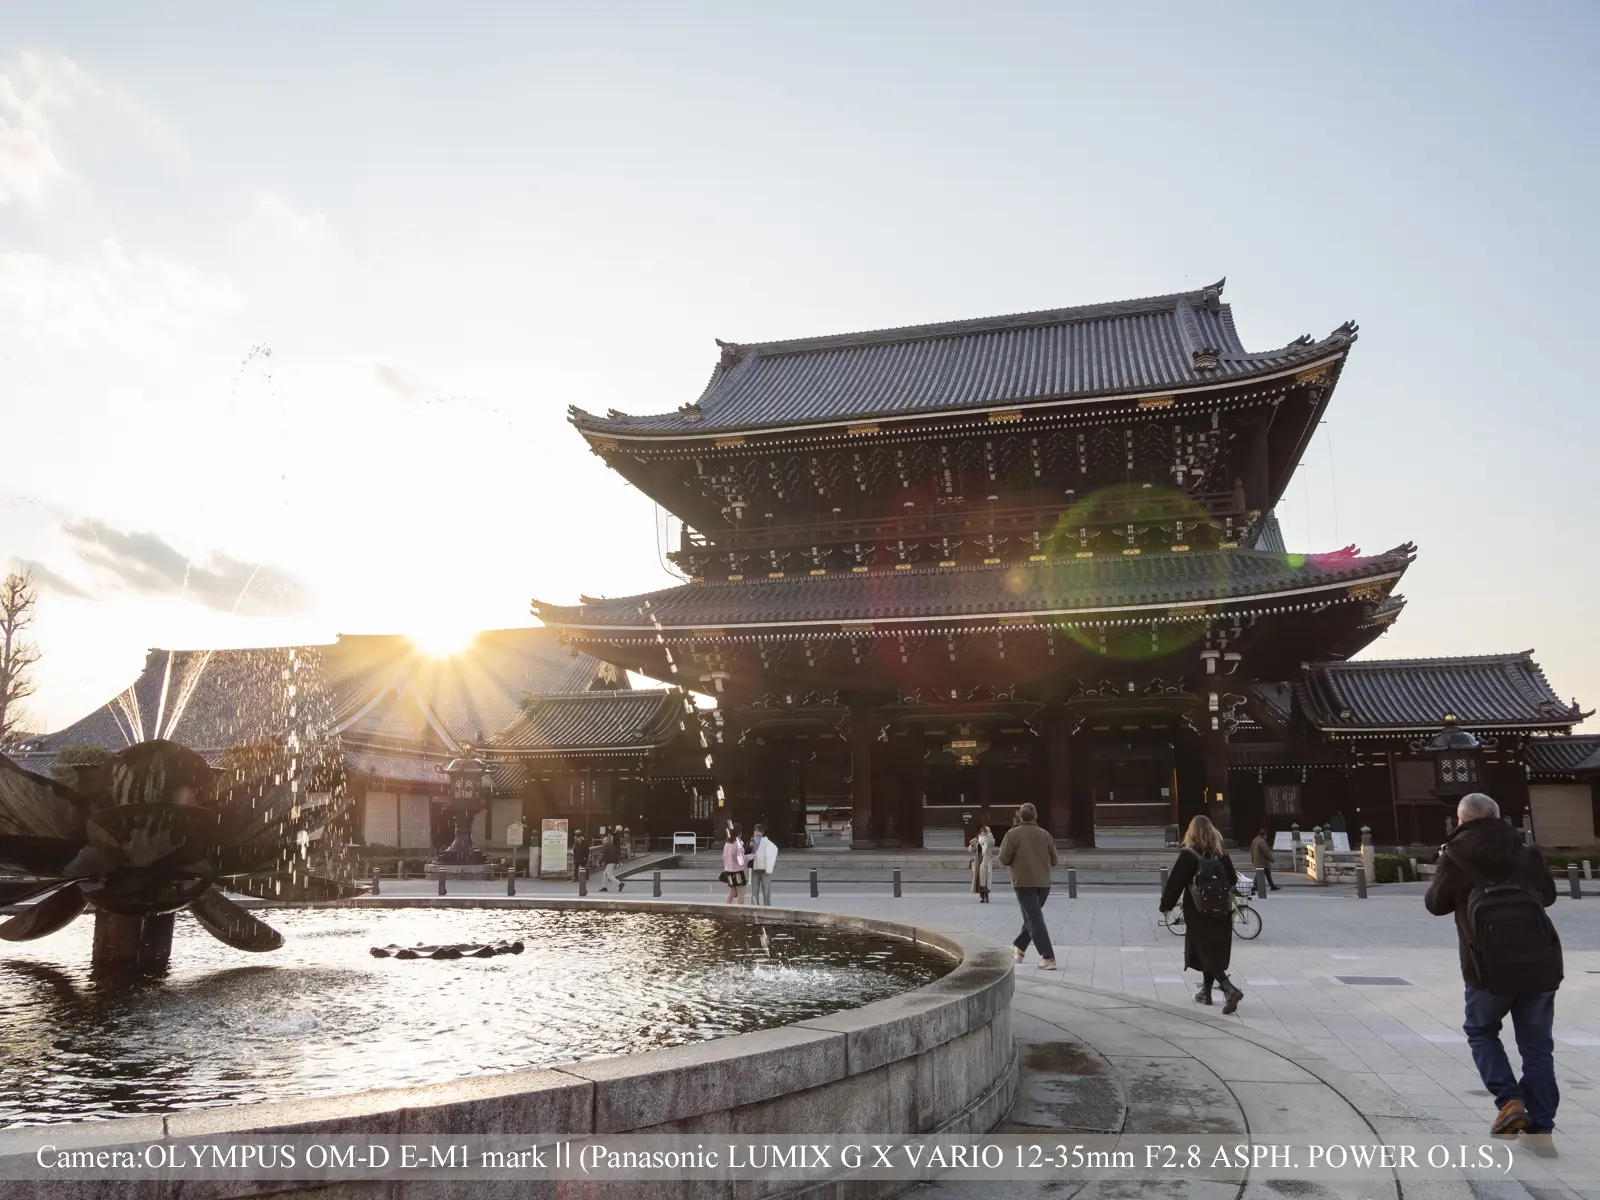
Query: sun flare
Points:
[443, 640]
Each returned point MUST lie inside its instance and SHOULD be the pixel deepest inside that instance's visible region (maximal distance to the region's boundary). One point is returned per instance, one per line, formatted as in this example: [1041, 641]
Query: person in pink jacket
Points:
[733, 863]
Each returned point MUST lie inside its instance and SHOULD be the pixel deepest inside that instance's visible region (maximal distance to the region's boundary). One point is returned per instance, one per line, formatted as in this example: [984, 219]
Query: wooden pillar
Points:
[1214, 748]
[1080, 812]
[1058, 788]
[862, 833]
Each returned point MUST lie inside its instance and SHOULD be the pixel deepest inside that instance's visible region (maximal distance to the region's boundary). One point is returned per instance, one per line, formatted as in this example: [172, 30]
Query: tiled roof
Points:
[214, 700]
[1131, 347]
[637, 720]
[1064, 586]
[394, 765]
[1579, 755]
[1482, 692]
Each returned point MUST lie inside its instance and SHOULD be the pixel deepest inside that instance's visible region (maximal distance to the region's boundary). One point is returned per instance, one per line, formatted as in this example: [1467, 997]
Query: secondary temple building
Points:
[563, 733]
[939, 570]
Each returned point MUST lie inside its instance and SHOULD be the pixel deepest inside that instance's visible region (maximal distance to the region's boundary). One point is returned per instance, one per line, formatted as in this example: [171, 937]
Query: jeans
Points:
[1031, 900]
[1266, 874]
[610, 877]
[1533, 1017]
[760, 887]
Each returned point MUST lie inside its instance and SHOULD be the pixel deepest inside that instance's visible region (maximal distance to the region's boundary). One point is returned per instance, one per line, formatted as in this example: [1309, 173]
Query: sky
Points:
[294, 297]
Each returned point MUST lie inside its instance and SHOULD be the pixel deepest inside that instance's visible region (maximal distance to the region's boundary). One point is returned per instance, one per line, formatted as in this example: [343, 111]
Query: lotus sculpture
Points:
[150, 831]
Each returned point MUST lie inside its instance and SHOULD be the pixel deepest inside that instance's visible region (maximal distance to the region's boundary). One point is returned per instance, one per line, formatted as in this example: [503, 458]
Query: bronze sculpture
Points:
[150, 831]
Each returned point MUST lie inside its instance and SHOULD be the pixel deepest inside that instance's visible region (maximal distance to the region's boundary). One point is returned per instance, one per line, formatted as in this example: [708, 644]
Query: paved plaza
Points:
[1371, 986]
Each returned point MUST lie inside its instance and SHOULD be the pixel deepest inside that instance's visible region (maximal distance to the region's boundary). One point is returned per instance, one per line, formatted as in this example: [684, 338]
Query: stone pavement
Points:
[1401, 1038]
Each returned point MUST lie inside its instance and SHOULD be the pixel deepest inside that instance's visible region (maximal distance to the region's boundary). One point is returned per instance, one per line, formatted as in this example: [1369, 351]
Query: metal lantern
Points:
[1457, 760]
[465, 773]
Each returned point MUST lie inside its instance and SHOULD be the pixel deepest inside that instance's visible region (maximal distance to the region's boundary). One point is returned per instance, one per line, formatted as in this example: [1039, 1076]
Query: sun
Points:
[443, 639]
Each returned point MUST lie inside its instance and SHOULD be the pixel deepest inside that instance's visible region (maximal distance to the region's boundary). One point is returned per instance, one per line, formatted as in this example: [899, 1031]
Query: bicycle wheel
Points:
[1246, 922]
[1174, 924]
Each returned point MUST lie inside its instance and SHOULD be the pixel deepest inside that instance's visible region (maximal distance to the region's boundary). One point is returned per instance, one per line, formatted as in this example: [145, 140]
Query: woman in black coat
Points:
[1207, 937]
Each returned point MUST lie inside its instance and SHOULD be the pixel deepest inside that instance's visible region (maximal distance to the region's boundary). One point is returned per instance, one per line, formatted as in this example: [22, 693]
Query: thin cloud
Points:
[147, 563]
[50, 581]
[401, 383]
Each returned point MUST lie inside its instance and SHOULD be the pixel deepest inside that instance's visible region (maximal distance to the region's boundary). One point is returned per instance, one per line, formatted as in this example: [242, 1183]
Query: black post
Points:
[655, 885]
[375, 883]
[1361, 881]
[511, 874]
[441, 880]
[1163, 879]
[583, 881]
[1072, 883]
[813, 882]
[897, 883]
[1573, 882]
[1261, 884]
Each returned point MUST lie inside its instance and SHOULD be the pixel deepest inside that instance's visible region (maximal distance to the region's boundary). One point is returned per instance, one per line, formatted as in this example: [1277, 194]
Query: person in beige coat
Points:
[980, 855]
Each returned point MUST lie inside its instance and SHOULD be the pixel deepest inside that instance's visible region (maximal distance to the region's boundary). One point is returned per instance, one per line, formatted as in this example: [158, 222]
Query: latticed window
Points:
[1283, 799]
[1458, 768]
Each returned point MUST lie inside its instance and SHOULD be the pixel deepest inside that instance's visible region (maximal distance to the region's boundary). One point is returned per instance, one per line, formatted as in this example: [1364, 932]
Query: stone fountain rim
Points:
[639, 1091]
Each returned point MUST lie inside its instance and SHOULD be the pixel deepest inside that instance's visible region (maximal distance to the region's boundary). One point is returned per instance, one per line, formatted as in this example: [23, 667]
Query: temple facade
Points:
[936, 571]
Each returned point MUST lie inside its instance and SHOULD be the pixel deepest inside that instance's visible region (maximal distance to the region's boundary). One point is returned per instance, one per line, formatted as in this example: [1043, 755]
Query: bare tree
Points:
[18, 595]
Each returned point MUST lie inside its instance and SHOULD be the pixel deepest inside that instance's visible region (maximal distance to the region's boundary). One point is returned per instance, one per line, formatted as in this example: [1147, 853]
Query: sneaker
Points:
[1202, 997]
[620, 886]
[1020, 954]
[1511, 1120]
[1232, 1006]
[1047, 964]
[1540, 1144]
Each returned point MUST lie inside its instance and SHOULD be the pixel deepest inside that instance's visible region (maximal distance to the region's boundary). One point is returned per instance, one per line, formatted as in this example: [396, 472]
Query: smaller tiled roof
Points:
[1490, 691]
[593, 722]
[1114, 584]
[1576, 755]
[393, 765]
[1129, 347]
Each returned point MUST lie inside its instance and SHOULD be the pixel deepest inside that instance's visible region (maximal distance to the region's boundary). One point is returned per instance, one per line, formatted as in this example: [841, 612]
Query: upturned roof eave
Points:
[1015, 616]
[1330, 350]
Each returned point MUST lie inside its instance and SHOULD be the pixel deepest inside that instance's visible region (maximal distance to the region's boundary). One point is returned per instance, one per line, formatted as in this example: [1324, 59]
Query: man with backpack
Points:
[1498, 889]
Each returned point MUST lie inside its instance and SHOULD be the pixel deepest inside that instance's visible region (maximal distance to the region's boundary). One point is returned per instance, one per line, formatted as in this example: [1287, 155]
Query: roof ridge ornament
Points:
[1207, 358]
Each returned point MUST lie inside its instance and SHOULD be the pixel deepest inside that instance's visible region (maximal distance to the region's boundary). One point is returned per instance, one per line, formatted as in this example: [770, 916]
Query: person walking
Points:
[763, 860]
[1261, 858]
[1030, 852]
[1498, 889]
[610, 856]
[580, 853]
[1203, 879]
[980, 854]
[733, 863]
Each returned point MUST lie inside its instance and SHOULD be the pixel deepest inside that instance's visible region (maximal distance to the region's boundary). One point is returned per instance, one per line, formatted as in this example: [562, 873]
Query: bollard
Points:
[1361, 881]
[511, 876]
[1072, 883]
[1587, 872]
[813, 882]
[1416, 875]
[1163, 881]
[441, 881]
[583, 880]
[897, 883]
[1572, 881]
[375, 883]
[1261, 884]
[655, 884]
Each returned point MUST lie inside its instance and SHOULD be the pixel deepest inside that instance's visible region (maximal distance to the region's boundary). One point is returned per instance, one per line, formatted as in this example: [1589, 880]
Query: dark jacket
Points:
[1030, 852]
[1490, 846]
[1207, 937]
[611, 852]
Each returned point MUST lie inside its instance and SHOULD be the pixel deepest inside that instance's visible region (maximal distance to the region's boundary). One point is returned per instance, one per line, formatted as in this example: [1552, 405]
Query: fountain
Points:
[151, 831]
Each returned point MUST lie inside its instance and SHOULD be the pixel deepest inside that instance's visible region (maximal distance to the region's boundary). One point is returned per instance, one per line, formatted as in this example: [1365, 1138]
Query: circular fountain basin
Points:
[935, 1057]
[321, 1016]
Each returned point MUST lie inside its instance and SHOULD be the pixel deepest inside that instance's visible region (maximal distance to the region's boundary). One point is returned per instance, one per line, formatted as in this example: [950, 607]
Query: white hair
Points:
[1476, 805]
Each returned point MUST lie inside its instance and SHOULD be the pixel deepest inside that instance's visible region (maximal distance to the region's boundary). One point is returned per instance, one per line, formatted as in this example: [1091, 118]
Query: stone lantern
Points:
[465, 773]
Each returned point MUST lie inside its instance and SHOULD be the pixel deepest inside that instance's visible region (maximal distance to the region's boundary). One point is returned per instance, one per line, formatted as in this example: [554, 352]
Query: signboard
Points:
[516, 833]
[1341, 841]
[552, 847]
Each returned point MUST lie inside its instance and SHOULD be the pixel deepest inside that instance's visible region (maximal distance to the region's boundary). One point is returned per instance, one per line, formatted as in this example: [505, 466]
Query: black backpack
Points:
[1510, 941]
[1209, 888]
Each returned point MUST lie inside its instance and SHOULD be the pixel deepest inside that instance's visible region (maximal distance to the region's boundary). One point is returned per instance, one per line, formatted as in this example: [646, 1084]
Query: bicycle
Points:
[1246, 920]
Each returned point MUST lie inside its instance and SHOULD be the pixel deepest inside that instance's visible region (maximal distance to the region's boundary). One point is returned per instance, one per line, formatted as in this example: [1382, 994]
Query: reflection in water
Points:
[325, 1017]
